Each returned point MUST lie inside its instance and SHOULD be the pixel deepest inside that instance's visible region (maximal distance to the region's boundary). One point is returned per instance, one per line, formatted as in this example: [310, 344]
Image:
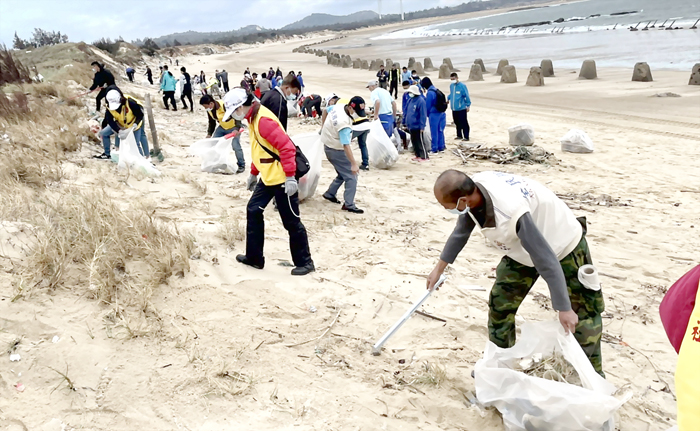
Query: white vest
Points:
[336, 120]
[512, 196]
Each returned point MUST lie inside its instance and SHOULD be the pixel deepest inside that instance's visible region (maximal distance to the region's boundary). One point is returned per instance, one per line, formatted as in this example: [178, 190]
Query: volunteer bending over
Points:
[539, 235]
[123, 113]
[215, 114]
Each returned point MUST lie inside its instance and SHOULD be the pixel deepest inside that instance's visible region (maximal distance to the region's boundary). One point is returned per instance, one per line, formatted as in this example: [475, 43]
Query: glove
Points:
[291, 186]
[251, 182]
[123, 133]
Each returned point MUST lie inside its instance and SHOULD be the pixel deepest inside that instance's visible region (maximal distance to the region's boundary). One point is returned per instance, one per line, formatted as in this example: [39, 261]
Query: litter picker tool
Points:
[377, 348]
[62, 101]
[155, 151]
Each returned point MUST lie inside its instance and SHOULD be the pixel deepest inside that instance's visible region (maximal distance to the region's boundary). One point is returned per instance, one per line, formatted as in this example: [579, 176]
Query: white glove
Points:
[291, 186]
[123, 133]
[251, 182]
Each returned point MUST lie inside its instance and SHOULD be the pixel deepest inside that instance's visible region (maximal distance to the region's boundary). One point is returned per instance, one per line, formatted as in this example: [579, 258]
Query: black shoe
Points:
[303, 270]
[466, 139]
[364, 167]
[331, 199]
[353, 210]
[240, 169]
[103, 156]
[167, 109]
[242, 258]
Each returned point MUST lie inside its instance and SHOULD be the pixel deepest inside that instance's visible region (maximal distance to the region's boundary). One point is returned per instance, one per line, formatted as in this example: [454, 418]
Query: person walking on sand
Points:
[394, 81]
[224, 80]
[361, 135]
[168, 83]
[415, 116]
[336, 135]
[149, 75]
[130, 73]
[405, 75]
[384, 107]
[276, 99]
[103, 78]
[215, 114]
[272, 175]
[436, 104]
[185, 83]
[301, 81]
[383, 77]
[263, 84]
[539, 235]
[460, 104]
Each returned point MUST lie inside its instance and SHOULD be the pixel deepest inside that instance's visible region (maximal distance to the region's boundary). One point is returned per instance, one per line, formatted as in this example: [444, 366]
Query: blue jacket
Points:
[301, 81]
[459, 97]
[416, 113]
[406, 76]
[404, 103]
[430, 100]
[168, 83]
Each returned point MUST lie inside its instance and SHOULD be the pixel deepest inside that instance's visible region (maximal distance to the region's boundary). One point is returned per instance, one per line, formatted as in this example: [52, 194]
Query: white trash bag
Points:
[215, 153]
[310, 144]
[130, 157]
[522, 134]
[292, 108]
[576, 141]
[427, 137]
[529, 403]
[382, 152]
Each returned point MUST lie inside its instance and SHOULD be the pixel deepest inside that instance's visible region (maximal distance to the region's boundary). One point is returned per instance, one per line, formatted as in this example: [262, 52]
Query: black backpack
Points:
[303, 166]
[440, 101]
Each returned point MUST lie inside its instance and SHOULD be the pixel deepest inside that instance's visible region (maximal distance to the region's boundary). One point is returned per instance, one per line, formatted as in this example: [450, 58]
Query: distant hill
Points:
[316, 20]
[196, 37]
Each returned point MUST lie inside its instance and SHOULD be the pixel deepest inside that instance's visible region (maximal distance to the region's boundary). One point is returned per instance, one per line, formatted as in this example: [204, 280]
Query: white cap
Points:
[372, 83]
[233, 100]
[114, 99]
[414, 89]
[329, 97]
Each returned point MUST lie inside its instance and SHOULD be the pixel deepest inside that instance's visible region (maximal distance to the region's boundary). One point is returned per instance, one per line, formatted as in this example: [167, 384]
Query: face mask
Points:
[238, 115]
[454, 80]
[456, 210]
[411, 95]
[208, 109]
[291, 96]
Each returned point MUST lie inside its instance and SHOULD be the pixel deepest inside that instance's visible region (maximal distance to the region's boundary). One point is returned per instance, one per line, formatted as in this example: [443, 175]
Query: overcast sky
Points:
[89, 20]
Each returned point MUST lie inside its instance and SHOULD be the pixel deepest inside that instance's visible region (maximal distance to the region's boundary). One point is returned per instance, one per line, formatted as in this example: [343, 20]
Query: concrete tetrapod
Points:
[588, 70]
[365, 64]
[419, 68]
[501, 64]
[535, 78]
[428, 65]
[480, 62]
[444, 71]
[411, 63]
[547, 68]
[509, 76]
[642, 73]
[695, 75]
[448, 61]
[357, 63]
[476, 74]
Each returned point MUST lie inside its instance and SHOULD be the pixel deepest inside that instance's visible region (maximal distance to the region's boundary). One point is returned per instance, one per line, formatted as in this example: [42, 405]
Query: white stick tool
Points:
[377, 348]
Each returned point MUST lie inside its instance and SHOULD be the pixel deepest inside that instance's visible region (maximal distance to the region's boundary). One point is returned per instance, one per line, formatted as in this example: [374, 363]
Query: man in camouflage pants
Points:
[539, 235]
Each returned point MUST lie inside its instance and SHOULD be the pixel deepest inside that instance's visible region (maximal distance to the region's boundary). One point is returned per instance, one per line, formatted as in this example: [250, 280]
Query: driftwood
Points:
[519, 154]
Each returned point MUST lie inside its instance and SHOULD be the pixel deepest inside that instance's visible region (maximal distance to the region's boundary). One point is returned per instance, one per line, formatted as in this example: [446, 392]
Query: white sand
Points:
[370, 267]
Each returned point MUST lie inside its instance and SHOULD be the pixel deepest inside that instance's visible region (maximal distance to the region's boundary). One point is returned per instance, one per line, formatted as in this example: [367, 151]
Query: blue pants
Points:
[438, 121]
[220, 132]
[362, 143]
[388, 123]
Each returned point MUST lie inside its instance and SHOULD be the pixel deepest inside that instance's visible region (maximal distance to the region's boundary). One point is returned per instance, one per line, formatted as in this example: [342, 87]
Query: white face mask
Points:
[238, 115]
[411, 95]
[454, 80]
[291, 96]
[456, 210]
[209, 109]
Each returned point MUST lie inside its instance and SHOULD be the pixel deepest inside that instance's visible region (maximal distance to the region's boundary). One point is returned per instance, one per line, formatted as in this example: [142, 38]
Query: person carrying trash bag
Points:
[539, 235]
[215, 114]
[336, 136]
[123, 113]
[272, 175]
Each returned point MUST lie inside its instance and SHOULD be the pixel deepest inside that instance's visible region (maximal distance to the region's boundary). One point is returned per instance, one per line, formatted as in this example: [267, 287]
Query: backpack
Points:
[440, 101]
[303, 165]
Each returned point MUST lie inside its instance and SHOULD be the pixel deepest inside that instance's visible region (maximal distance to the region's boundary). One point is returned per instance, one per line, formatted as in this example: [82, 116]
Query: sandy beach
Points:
[299, 348]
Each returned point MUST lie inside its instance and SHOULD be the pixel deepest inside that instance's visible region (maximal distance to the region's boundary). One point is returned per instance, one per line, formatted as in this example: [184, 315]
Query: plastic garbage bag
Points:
[178, 90]
[131, 158]
[522, 134]
[427, 137]
[310, 144]
[576, 141]
[215, 154]
[382, 152]
[292, 108]
[529, 403]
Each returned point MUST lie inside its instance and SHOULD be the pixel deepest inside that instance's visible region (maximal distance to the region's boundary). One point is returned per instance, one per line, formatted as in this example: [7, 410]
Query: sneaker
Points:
[353, 210]
[240, 169]
[465, 139]
[331, 199]
[416, 159]
[167, 109]
[303, 270]
[364, 167]
[242, 258]
[103, 156]
[424, 160]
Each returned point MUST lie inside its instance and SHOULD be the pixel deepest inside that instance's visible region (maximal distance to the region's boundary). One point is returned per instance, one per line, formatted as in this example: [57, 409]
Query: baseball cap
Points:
[355, 103]
[372, 83]
[233, 100]
[414, 89]
[114, 99]
[330, 97]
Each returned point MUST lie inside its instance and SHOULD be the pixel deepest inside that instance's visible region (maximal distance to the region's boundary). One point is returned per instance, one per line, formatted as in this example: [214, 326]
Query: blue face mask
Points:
[456, 210]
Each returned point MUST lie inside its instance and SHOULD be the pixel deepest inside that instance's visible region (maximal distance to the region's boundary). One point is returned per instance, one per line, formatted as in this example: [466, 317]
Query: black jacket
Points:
[394, 75]
[277, 103]
[103, 78]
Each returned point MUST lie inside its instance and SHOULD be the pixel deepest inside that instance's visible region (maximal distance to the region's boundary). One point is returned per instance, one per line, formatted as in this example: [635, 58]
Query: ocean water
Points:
[596, 29]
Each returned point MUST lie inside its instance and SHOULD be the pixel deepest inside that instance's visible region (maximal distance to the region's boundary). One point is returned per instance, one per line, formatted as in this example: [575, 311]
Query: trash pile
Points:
[315, 121]
[554, 367]
[589, 199]
[519, 154]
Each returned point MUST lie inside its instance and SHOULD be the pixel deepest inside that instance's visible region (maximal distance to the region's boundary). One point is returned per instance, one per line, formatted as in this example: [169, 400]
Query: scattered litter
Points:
[19, 387]
[522, 134]
[554, 367]
[521, 154]
[667, 94]
[312, 309]
[471, 287]
[55, 339]
[576, 141]
[589, 199]
[15, 357]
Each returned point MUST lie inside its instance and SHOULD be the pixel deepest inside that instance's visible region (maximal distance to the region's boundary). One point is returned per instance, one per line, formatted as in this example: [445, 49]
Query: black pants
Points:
[288, 207]
[309, 103]
[101, 95]
[418, 144]
[225, 83]
[131, 76]
[460, 119]
[150, 79]
[169, 95]
[188, 94]
[394, 89]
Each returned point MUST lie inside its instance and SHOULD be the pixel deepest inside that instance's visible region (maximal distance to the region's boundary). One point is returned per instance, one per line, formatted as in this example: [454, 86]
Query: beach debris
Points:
[535, 79]
[695, 75]
[418, 67]
[444, 71]
[20, 387]
[522, 134]
[476, 73]
[55, 339]
[411, 63]
[527, 155]
[593, 200]
[642, 72]
[15, 357]
[547, 68]
[428, 65]
[501, 64]
[448, 61]
[554, 367]
[509, 76]
[312, 309]
[588, 70]
[666, 94]
[480, 62]
[576, 141]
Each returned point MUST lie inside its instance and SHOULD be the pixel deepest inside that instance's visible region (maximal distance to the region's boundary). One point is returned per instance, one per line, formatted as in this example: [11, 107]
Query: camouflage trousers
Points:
[514, 281]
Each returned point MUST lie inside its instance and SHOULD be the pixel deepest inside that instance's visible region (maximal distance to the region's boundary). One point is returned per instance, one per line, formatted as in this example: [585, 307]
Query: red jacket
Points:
[272, 132]
[678, 305]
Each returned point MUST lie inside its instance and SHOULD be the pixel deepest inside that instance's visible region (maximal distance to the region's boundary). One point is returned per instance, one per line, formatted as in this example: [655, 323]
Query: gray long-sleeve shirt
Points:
[542, 255]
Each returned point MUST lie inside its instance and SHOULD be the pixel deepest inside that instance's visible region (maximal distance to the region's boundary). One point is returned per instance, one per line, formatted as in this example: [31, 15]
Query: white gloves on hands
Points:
[251, 182]
[291, 186]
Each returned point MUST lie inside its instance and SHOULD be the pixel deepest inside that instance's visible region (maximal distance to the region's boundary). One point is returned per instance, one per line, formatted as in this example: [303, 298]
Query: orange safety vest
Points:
[271, 171]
